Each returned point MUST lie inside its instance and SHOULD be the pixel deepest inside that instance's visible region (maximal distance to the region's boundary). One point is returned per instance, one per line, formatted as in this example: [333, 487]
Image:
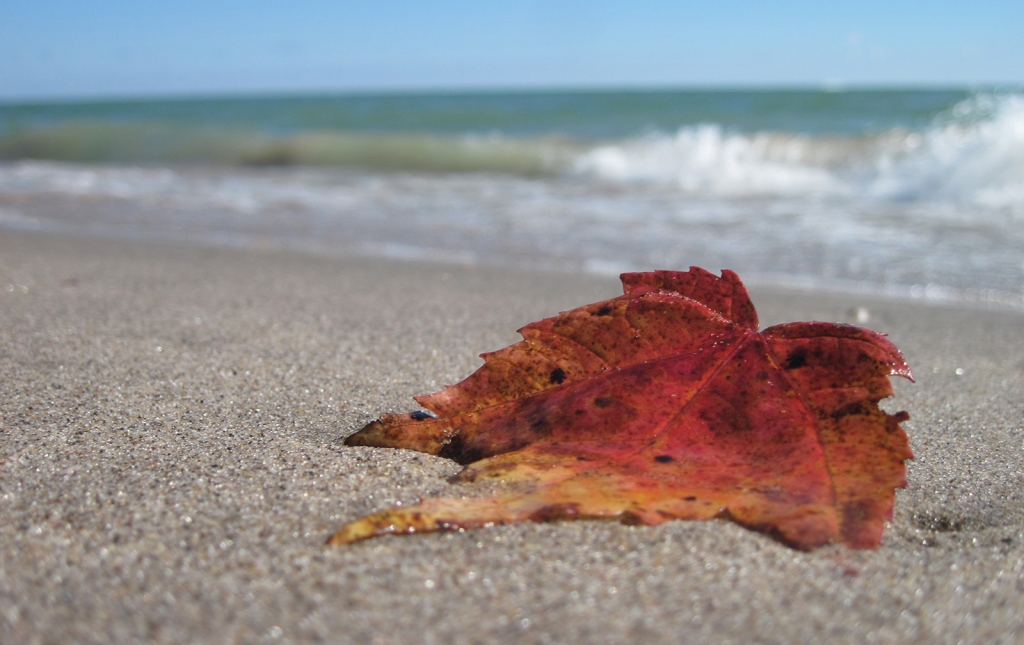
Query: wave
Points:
[972, 153]
[97, 142]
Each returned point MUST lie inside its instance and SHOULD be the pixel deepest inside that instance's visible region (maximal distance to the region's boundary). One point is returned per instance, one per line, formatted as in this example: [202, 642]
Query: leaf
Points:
[666, 403]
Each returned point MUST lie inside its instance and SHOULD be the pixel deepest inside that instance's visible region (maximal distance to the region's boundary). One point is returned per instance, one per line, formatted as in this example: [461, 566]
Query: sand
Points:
[171, 462]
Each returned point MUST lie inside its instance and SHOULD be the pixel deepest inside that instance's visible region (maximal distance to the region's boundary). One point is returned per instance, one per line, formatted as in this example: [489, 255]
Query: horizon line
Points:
[454, 90]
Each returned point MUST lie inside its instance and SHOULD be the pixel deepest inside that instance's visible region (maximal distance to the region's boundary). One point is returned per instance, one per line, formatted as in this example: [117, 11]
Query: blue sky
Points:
[56, 48]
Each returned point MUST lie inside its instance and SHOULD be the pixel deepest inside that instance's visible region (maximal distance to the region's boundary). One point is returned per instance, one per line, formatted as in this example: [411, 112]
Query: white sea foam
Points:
[970, 159]
[705, 159]
[974, 154]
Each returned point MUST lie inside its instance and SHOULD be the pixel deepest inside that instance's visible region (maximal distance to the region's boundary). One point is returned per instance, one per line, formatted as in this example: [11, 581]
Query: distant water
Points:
[911, 193]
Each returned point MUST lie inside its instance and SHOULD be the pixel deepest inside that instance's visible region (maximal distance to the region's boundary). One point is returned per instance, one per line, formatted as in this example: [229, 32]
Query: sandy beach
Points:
[171, 463]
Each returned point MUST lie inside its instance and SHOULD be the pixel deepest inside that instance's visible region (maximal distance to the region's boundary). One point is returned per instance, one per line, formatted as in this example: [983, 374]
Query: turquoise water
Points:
[577, 115]
[522, 133]
[912, 193]
[512, 132]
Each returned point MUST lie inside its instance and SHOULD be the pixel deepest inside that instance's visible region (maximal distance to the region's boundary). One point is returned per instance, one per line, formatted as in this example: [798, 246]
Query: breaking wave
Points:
[973, 153]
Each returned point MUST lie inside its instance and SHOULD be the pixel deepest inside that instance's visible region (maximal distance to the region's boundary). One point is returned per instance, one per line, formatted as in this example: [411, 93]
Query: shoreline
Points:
[172, 463]
[971, 298]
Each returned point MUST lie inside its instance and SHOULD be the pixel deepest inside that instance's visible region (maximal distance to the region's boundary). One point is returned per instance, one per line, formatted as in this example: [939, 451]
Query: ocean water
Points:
[907, 193]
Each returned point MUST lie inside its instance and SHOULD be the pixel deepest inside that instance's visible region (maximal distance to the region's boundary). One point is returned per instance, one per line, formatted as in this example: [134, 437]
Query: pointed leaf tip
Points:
[666, 403]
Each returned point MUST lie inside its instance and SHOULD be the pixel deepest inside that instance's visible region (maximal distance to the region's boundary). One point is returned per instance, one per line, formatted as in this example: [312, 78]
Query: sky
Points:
[65, 49]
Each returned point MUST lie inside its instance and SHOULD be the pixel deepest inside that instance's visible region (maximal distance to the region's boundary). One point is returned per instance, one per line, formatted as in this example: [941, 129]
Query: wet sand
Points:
[171, 462]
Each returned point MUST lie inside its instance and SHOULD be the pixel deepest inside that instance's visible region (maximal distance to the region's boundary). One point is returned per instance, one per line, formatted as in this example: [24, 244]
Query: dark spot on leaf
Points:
[581, 459]
[630, 518]
[539, 424]
[420, 416]
[558, 375]
[690, 498]
[855, 512]
[603, 401]
[579, 411]
[859, 407]
[664, 459]
[554, 512]
[604, 311]
[797, 359]
[762, 375]
[458, 451]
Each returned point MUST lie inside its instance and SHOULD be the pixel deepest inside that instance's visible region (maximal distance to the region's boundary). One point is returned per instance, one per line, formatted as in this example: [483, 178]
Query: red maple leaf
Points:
[666, 403]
